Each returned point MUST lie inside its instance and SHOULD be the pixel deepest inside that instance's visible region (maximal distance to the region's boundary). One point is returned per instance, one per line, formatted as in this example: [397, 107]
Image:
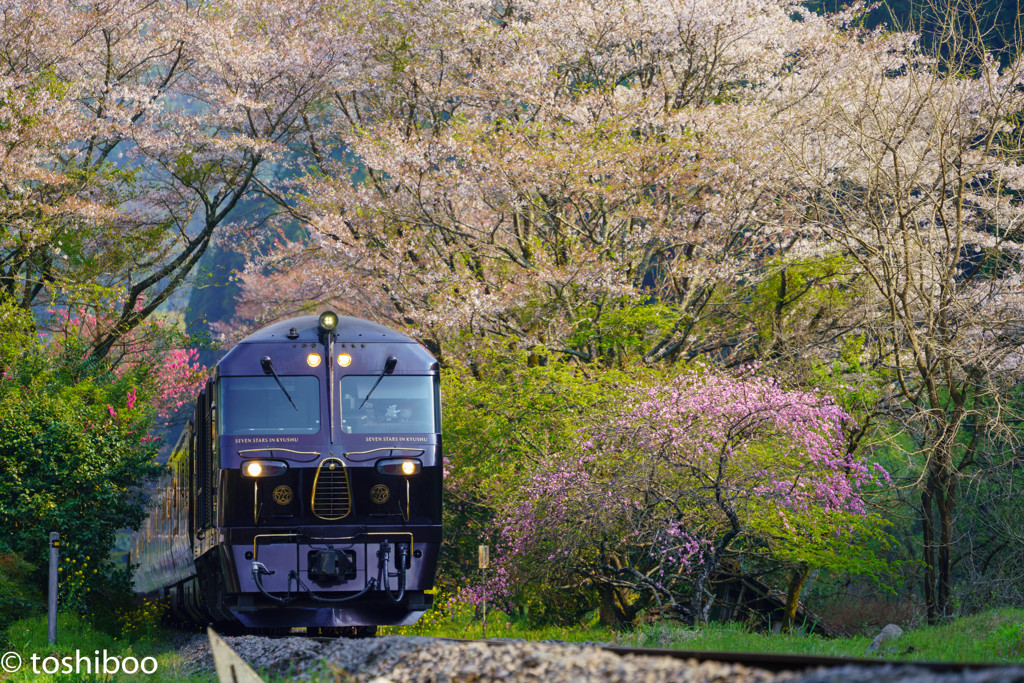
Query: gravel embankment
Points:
[406, 659]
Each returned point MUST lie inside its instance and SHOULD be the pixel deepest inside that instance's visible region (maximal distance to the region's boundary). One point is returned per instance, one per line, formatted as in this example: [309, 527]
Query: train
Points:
[305, 490]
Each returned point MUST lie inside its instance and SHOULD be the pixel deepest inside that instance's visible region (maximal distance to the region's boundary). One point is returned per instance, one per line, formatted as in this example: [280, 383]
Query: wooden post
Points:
[51, 633]
[484, 561]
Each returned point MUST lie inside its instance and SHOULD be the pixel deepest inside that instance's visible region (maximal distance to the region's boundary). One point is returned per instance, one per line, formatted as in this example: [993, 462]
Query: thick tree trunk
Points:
[796, 585]
[615, 610]
[938, 503]
[945, 503]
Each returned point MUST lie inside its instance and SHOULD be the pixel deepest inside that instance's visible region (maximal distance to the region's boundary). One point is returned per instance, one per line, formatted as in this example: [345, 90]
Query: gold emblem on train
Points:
[379, 494]
[283, 495]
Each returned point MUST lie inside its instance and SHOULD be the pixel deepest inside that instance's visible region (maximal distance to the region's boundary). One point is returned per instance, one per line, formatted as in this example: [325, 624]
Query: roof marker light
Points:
[328, 321]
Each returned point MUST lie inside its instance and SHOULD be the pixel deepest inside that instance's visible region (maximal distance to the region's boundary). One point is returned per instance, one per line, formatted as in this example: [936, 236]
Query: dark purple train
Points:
[306, 489]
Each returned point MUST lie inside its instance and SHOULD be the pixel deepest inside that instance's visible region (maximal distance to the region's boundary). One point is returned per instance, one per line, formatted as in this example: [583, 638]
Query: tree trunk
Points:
[938, 502]
[796, 584]
[700, 605]
[615, 611]
[928, 553]
[945, 504]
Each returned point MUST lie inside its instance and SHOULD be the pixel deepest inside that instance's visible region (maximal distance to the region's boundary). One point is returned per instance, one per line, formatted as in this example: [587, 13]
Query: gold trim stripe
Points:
[386, 448]
[286, 450]
[323, 539]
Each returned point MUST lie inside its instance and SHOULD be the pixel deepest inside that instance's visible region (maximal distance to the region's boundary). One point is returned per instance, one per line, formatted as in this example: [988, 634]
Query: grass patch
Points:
[993, 637]
[77, 638]
[460, 621]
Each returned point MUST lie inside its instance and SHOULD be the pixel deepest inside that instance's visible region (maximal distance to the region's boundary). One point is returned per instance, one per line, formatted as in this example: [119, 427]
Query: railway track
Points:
[779, 662]
[401, 659]
[784, 662]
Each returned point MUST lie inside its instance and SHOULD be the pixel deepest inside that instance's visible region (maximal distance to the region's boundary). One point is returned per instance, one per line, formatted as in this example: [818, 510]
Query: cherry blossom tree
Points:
[531, 166]
[908, 164]
[134, 128]
[163, 374]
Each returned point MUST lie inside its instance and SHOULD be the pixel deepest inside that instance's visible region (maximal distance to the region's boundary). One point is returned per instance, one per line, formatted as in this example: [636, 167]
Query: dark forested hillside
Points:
[1000, 19]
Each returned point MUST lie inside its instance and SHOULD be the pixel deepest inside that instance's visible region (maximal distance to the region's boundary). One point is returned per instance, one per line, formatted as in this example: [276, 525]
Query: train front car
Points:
[328, 496]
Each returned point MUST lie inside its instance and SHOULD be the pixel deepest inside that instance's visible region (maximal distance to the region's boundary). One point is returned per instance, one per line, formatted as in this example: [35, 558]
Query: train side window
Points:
[437, 404]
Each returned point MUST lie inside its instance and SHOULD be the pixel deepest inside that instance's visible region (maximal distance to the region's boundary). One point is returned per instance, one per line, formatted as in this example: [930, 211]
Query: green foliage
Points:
[139, 621]
[799, 297]
[74, 633]
[455, 617]
[833, 540]
[18, 595]
[73, 455]
[509, 408]
[621, 330]
[29, 635]
[503, 415]
[992, 637]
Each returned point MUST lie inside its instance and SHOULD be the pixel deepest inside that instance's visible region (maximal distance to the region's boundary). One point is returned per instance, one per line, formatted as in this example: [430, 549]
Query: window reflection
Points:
[256, 405]
[399, 405]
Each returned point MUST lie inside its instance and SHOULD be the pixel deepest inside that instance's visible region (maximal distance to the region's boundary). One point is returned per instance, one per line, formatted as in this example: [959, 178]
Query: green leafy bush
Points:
[18, 595]
[74, 455]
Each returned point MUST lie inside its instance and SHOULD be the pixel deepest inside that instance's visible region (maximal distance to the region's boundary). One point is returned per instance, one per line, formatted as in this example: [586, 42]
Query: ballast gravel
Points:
[411, 659]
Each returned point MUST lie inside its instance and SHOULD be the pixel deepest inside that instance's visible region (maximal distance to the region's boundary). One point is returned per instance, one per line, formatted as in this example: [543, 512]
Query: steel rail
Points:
[769, 661]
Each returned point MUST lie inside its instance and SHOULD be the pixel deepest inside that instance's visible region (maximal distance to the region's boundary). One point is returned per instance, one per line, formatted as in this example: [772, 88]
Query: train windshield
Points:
[256, 405]
[399, 405]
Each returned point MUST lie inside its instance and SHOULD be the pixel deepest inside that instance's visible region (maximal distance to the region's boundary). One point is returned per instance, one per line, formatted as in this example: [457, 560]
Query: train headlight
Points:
[263, 468]
[344, 360]
[399, 466]
[313, 360]
[328, 321]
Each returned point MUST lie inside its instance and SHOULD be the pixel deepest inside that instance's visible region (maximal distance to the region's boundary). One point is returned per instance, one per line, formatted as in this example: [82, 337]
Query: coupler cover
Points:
[331, 566]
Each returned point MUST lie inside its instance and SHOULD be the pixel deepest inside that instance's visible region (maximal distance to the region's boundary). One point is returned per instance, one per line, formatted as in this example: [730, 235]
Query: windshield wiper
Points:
[389, 367]
[268, 368]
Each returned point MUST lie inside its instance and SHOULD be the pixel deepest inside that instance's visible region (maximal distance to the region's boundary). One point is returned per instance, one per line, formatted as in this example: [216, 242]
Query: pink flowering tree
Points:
[506, 416]
[690, 479]
[163, 373]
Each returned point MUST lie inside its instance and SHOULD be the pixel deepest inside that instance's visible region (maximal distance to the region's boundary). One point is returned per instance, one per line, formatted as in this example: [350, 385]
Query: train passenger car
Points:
[306, 488]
